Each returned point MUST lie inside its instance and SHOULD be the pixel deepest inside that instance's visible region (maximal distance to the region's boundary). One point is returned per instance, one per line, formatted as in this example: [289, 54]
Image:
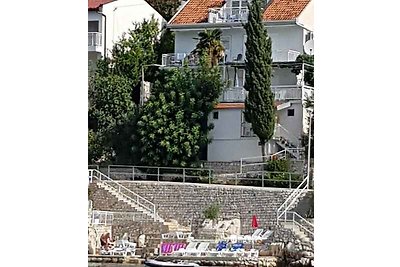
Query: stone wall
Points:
[186, 202]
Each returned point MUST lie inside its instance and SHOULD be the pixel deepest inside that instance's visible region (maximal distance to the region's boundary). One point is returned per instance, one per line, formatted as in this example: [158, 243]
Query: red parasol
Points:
[254, 222]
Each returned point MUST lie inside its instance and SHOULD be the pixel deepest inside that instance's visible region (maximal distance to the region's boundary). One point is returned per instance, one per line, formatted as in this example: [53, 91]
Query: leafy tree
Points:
[110, 106]
[114, 89]
[210, 44]
[259, 105]
[169, 128]
[134, 49]
[166, 8]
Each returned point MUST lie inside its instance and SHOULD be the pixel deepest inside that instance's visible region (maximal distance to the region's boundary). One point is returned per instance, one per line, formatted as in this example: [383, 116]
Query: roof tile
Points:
[284, 9]
[95, 4]
[196, 11]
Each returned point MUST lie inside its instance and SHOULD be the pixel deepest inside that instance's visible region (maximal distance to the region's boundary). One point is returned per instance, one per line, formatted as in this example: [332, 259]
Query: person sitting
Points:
[106, 241]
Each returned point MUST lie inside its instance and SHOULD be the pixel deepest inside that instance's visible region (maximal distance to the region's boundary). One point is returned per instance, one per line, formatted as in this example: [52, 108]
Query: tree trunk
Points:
[263, 150]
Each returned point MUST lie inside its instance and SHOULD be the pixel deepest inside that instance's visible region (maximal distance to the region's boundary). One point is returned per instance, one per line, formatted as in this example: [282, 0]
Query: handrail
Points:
[152, 207]
[289, 198]
[295, 214]
[286, 131]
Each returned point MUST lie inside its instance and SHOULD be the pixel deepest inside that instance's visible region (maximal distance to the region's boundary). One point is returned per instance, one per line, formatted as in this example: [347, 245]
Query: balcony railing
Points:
[287, 92]
[95, 41]
[234, 94]
[228, 14]
[178, 59]
[284, 55]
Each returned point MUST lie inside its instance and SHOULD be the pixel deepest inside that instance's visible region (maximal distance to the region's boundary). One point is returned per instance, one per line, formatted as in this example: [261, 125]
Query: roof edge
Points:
[179, 11]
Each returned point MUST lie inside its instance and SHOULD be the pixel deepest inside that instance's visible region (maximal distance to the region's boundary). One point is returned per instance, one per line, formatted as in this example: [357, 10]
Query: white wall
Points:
[283, 38]
[227, 144]
[307, 16]
[294, 124]
[121, 15]
[185, 42]
[286, 37]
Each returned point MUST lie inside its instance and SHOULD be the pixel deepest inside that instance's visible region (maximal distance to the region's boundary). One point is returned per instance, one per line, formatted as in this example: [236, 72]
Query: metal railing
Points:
[233, 94]
[228, 14]
[180, 59]
[289, 202]
[125, 192]
[302, 223]
[101, 217]
[153, 173]
[287, 92]
[259, 160]
[261, 178]
[116, 217]
[95, 39]
[284, 55]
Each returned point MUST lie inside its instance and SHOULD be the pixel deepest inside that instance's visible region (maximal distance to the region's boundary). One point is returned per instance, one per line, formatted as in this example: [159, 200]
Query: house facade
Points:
[108, 20]
[290, 25]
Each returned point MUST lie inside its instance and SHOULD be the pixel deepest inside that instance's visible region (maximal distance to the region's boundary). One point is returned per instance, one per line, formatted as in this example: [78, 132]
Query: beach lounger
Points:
[201, 249]
[189, 248]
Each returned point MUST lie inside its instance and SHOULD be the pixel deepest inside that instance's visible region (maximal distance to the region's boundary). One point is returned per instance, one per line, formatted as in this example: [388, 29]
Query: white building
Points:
[290, 26]
[109, 19]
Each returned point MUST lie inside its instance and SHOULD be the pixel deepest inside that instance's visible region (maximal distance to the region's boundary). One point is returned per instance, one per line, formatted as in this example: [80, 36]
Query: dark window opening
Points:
[215, 115]
[93, 26]
[290, 112]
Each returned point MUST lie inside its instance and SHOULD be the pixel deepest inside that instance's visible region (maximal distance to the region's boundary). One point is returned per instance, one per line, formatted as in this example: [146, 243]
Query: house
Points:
[108, 20]
[290, 25]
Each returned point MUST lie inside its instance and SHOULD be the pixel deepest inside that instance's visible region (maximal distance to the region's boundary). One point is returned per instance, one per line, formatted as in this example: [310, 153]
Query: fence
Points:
[99, 217]
[151, 173]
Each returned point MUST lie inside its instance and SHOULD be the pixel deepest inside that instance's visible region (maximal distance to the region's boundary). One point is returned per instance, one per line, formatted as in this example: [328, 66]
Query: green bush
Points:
[212, 212]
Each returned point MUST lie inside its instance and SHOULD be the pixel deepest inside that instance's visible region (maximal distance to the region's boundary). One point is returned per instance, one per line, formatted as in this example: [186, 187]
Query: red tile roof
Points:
[229, 106]
[284, 9]
[196, 11]
[95, 4]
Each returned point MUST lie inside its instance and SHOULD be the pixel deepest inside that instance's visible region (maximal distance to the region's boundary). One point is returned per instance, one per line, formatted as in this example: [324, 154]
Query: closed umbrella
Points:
[254, 223]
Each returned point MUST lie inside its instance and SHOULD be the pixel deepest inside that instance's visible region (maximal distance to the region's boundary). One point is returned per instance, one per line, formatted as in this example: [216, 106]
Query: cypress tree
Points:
[259, 104]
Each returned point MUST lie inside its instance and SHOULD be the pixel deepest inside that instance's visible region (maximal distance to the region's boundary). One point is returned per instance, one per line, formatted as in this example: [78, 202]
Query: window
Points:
[290, 112]
[93, 26]
[215, 115]
[309, 36]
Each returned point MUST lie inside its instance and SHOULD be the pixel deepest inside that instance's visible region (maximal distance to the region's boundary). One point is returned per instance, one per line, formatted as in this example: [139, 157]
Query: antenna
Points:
[309, 47]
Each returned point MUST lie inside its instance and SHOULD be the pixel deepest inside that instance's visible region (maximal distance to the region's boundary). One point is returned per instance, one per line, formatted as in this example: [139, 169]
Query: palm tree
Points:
[211, 45]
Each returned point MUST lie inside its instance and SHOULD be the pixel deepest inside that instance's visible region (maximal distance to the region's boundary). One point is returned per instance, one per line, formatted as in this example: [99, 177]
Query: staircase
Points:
[125, 195]
[289, 219]
[285, 139]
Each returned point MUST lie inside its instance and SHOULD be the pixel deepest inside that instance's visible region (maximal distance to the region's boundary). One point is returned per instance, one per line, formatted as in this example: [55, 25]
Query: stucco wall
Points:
[286, 37]
[227, 144]
[122, 13]
[294, 124]
[307, 16]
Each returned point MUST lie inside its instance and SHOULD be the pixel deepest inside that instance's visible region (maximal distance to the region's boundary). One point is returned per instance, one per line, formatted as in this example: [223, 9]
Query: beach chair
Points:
[189, 248]
[201, 249]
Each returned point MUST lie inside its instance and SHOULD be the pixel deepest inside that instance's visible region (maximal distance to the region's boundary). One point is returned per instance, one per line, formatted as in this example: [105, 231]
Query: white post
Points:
[309, 151]
[142, 88]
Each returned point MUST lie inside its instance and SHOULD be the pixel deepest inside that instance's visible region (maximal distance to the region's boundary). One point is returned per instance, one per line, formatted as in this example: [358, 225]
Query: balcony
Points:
[178, 59]
[284, 55]
[228, 14]
[287, 92]
[95, 42]
[233, 95]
